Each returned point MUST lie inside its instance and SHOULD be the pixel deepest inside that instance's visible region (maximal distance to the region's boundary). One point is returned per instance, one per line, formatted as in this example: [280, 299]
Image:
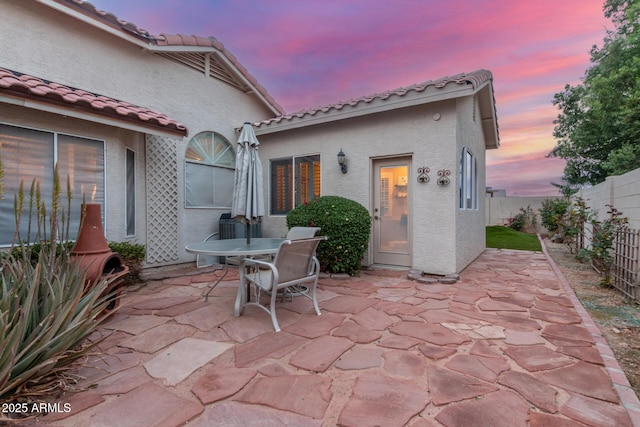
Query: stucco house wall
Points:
[71, 43]
[45, 43]
[406, 132]
[470, 237]
[444, 238]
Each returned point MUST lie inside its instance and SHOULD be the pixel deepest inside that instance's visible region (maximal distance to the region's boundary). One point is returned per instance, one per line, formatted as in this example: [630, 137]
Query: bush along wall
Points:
[345, 222]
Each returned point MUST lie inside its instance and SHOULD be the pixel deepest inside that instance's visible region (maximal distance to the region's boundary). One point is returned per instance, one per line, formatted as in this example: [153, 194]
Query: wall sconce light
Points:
[341, 161]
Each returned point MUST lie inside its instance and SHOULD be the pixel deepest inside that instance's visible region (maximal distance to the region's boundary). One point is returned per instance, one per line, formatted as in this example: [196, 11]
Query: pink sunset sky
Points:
[312, 53]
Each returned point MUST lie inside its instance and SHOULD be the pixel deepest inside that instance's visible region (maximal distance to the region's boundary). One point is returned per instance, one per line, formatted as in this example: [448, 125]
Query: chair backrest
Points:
[295, 233]
[294, 258]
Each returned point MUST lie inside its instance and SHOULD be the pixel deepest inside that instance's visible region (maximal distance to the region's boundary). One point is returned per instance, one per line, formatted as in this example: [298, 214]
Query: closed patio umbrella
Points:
[248, 196]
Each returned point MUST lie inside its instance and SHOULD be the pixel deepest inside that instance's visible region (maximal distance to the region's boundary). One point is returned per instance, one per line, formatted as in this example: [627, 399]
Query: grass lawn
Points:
[506, 238]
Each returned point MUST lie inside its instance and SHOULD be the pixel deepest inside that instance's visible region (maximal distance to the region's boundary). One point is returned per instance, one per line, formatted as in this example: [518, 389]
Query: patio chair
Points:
[294, 264]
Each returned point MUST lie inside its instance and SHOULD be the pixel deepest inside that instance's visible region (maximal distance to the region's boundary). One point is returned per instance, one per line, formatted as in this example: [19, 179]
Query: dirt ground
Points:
[617, 319]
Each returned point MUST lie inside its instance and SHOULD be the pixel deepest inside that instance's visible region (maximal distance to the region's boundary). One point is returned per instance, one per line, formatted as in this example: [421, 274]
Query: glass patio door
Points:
[391, 208]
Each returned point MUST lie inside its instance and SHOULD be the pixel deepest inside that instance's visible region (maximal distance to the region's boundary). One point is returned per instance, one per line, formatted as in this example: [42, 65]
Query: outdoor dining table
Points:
[236, 248]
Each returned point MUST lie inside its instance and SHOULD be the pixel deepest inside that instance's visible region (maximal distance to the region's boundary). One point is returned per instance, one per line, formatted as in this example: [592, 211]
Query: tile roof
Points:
[171, 40]
[22, 85]
[476, 79]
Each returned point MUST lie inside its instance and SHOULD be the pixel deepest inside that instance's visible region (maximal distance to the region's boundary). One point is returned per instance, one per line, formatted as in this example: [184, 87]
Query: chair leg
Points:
[314, 298]
[272, 310]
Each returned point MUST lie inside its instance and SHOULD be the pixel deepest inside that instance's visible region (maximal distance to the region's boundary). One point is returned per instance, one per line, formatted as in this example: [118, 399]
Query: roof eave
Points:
[99, 24]
[363, 108]
[64, 110]
[489, 119]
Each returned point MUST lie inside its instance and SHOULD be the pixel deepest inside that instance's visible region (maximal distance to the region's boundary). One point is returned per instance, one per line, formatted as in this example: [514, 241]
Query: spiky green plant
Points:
[46, 313]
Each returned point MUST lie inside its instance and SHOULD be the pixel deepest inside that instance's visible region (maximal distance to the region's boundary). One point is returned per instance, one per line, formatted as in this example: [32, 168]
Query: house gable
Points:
[203, 54]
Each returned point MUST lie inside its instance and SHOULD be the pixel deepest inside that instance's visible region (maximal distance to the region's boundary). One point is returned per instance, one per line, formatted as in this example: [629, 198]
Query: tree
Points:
[598, 127]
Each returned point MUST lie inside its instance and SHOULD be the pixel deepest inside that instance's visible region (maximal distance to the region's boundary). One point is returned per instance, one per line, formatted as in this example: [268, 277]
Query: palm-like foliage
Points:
[46, 313]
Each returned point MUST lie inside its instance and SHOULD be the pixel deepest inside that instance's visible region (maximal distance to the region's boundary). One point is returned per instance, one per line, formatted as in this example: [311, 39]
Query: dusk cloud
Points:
[313, 53]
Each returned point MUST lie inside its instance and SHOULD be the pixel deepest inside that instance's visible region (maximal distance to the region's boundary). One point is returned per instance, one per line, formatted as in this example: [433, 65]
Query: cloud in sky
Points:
[312, 53]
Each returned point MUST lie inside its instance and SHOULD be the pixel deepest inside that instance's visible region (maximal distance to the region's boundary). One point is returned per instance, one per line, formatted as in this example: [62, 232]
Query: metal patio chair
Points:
[295, 264]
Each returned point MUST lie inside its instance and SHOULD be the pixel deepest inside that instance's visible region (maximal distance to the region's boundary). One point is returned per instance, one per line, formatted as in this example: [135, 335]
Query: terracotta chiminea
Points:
[92, 253]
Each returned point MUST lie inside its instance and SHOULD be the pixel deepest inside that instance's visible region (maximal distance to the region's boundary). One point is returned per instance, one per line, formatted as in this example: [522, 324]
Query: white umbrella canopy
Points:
[248, 195]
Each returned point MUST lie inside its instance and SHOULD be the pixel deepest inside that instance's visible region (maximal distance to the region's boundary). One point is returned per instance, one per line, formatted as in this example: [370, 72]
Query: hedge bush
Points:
[345, 222]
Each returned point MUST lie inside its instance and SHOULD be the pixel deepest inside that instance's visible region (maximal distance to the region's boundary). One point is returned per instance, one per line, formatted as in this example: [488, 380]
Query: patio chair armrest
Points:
[259, 262]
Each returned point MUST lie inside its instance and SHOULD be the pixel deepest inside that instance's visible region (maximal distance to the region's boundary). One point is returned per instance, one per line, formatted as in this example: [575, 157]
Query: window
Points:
[130, 192]
[294, 181]
[210, 163]
[30, 154]
[468, 180]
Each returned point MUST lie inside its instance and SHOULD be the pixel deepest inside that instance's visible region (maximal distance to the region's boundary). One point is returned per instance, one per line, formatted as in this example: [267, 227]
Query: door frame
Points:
[378, 257]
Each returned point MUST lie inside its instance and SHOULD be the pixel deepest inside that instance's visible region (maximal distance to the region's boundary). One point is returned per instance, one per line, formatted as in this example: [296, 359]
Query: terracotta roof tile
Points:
[25, 86]
[475, 79]
[170, 40]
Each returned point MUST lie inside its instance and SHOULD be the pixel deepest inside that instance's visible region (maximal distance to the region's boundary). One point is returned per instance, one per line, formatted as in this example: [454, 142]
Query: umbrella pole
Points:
[248, 233]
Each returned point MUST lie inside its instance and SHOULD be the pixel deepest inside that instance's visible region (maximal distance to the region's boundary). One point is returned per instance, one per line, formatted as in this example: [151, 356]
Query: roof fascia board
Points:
[378, 106]
[93, 22]
[488, 116]
[246, 81]
[94, 118]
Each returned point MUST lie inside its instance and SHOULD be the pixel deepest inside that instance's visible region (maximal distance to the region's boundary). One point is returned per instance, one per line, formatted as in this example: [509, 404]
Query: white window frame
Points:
[95, 194]
[468, 176]
[205, 160]
[130, 212]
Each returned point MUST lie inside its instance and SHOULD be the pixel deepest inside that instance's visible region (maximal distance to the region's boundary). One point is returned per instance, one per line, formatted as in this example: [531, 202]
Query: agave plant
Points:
[46, 313]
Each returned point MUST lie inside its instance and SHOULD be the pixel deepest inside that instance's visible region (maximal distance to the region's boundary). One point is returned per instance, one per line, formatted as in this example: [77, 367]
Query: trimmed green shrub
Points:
[345, 222]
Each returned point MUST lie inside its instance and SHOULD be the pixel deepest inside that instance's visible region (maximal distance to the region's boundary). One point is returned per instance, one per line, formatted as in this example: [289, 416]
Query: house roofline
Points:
[164, 43]
[64, 110]
[478, 82]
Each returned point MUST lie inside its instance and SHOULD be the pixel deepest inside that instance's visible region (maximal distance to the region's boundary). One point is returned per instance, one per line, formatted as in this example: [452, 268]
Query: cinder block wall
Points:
[620, 191]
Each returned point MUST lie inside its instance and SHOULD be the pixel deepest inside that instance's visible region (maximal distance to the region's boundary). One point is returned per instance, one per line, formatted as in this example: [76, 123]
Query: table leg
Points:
[241, 298]
[226, 270]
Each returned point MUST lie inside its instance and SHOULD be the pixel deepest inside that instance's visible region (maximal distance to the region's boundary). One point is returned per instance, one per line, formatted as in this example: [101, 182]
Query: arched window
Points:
[209, 168]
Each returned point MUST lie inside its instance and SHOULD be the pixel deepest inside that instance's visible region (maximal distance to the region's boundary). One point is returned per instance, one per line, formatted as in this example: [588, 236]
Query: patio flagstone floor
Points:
[507, 345]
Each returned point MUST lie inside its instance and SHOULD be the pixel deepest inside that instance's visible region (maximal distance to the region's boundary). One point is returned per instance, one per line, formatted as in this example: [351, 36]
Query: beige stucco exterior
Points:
[430, 125]
[444, 238]
[43, 42]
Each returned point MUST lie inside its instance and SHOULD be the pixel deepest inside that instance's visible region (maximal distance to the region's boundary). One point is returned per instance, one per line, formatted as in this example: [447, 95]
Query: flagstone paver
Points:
[318, 355]
[535, 391]
[234, 414]
[307, 395]
[473, 413]
[382, 401]
[147, 405]
[360, 358]
[595, 412]
[583, 378]
[177, 362]
[157, 338]
[506, 345]
[219, 383]
[537, 357]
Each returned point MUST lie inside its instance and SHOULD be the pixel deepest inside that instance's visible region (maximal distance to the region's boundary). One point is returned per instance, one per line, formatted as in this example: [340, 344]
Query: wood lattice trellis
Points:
[625, 268]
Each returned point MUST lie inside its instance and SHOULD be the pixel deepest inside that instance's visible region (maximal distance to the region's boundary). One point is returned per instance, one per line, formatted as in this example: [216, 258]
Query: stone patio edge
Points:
[628, 398]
